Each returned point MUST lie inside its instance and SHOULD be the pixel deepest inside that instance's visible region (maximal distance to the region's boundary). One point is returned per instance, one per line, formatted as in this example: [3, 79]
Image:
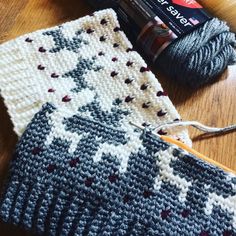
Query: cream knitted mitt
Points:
[82, 65]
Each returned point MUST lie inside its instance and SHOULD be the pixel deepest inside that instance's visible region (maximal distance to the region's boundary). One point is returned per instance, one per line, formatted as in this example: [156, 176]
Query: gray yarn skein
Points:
[198, 57]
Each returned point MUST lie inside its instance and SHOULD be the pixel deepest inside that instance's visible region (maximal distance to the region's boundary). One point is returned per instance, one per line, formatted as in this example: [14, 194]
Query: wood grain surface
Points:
[213, 105]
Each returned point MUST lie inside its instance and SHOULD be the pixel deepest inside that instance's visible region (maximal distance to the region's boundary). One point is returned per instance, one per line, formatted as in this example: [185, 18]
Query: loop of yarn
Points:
[198, 57]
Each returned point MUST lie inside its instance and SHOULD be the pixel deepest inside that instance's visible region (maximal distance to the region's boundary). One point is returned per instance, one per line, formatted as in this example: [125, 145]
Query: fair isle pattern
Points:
[163, 191]
[72, 64]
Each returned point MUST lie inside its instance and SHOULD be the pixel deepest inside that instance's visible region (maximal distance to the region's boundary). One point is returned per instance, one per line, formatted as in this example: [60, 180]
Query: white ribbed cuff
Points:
[18, 86]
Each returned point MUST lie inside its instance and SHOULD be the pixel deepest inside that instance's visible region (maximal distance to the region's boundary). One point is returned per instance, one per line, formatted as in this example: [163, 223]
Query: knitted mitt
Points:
[73, 64]
[112, 186]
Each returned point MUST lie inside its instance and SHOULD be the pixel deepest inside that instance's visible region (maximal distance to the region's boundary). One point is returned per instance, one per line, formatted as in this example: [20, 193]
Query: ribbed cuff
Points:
[44, 208]
[18, 85]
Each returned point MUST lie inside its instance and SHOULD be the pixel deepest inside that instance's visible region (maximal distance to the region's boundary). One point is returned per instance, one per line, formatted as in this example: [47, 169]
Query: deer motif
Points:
[61, 42]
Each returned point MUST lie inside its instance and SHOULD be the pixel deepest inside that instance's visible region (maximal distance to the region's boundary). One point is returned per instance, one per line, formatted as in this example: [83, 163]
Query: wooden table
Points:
[213, 105]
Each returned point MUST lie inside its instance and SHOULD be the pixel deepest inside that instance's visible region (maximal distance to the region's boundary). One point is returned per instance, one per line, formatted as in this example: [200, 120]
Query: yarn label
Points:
[181, 16]
[157, 23]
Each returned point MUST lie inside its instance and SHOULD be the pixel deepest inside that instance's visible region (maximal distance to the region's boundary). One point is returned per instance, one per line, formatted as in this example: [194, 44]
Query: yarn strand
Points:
[195, 124]
[199, 126]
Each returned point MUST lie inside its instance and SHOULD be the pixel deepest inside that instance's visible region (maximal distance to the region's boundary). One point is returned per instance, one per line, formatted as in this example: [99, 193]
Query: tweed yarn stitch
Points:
[198, 57]
[164, 190]
[84, 64]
